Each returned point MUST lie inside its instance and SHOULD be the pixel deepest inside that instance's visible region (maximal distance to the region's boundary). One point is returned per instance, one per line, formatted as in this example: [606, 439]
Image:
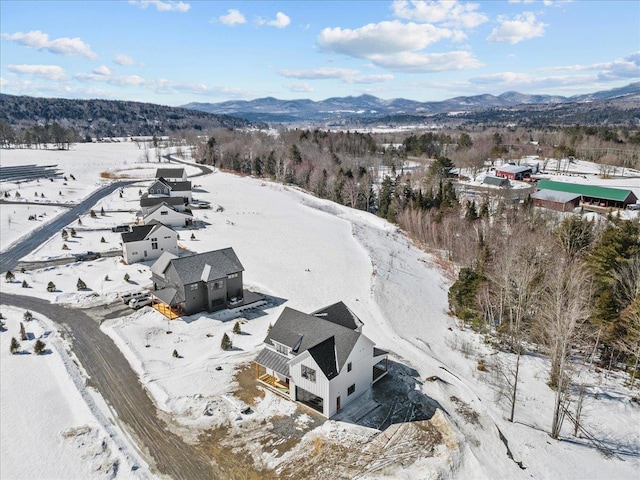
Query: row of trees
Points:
[38, 136]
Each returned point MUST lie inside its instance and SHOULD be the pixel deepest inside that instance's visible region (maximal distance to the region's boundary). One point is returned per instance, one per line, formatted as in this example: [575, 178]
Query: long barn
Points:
[592, 194]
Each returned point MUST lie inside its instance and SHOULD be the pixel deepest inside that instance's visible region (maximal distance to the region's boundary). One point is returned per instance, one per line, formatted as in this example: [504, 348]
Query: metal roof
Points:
[593, 191]
[495, 181]
[555, 196]
[513, 168]
[170, 296]
[274, 361]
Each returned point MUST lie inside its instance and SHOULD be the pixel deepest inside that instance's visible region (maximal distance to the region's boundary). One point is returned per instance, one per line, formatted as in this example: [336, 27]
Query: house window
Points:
[193, 286]
[164, 213]
[233, 275]
[217, 285]
[281, 349]
[349, 367]
[154, 244]
[168, 236]
[351, 389]
[309, 374]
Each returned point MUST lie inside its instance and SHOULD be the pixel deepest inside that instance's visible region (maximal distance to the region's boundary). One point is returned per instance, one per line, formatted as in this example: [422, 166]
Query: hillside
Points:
[109, 118]
[618, 106]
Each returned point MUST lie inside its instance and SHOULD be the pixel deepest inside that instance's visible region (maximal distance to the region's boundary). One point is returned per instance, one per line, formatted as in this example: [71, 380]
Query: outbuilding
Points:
[514, 172]
[559, 201]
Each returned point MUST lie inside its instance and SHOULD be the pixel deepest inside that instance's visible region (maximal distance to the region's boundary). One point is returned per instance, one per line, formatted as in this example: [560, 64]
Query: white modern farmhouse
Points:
[148, 242]
[321, 359]
[168, 215]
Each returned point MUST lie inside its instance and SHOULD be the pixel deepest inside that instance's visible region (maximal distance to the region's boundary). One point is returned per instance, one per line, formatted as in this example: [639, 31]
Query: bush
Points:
[51, 287]
[176, 354]
[15, 346]
[23, 332]
[81, 285]
[9, 276]
[106, 278]
[65, 235]
[102, 211]
[73, 232]
[65, 246]
[3, 327]
[25, 284]
[236, 328]
[79, 221]
[193, 237]
[102, 240]
[126, 277]
[39, 347]
[92, 214]
[28, 316]
[226, 343]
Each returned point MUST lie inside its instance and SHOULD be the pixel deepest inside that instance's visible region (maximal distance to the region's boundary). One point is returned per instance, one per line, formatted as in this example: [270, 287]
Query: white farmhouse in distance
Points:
[148, 242]
[321, 359]
[166, 214]
[172, 174]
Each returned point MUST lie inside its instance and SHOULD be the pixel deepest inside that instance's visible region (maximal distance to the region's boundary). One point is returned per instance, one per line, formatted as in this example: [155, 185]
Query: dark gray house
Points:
[207, 281]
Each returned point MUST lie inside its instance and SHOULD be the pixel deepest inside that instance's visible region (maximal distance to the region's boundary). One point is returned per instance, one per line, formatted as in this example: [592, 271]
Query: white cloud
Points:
[303, 87]
[426, 62]
[50, 72]
[516, 29]
[122, 59]
[621, 68]
[384, 38]
[163, 5]
[102, 70]
[345, 75]
[445, 12]
[233, 17]
[63, 45]
[280, 21]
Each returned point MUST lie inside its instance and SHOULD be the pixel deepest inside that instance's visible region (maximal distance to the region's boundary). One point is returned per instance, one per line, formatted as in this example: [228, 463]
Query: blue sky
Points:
[176, 52]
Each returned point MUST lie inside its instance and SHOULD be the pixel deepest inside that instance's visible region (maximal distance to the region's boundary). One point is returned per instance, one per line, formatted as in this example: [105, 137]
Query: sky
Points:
[173, 52]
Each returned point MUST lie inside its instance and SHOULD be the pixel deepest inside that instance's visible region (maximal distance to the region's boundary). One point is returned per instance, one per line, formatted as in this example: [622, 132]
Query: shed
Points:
[495, 181]
[514, 172]
[593, 194]
[560, 201]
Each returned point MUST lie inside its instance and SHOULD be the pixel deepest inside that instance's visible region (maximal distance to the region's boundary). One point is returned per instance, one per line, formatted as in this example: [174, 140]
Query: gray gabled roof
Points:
[170, 296]
[161, 264]
[141, 232]
[146, 201]
[186, 213]
[495, 181]
[553, 196]
[294, 328]
[169, 172]
[216, 264]
[514, 168]
[339, 314]
[184, 186]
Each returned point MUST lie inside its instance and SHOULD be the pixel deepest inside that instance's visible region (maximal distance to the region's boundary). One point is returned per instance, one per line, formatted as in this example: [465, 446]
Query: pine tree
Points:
[39, 347]
[25, 284]
[102, 240]
[81, 285]
[236, 328]
[23, 332]
[226, 343]
[28, 316]
[126, 277]
[79, 221]
[102, 211]
[65, 235]
[176, 354]
[73, 232]
[51, 287]
[9, 276]
[193, 237]
[3, 327]
[65, 246]
[15, 346]
[92, 214]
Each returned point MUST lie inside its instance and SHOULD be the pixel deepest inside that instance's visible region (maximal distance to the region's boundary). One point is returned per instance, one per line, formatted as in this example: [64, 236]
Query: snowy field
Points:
[307, 253]
[67, 436]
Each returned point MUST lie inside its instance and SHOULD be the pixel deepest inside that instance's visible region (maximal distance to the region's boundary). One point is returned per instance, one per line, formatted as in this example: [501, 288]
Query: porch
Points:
[381, 364]
[274, 384]
[170, 312]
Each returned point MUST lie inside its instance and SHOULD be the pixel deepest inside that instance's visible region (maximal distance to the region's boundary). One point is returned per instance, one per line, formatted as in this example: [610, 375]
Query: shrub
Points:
[39, 347]
[92, 214]
[9, 276]
[23, 332]
[42, 195]
[3, 327]
[17, 194]
[106, 278]
[22, 270]
[65, 235]
[28, 316]
[236, 328]
[65, 246]
[193, 237]
[102, 211]
[51, 287]
[79, 221]
[15, 346]
[81, 285]
[60, 192]
[102, 240]
[25, 284]
[73, 232]
[176, 354]
[126, 277]
[226, 343]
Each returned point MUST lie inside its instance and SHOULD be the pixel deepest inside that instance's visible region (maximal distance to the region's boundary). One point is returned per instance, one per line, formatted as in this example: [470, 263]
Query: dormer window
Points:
[281, 349]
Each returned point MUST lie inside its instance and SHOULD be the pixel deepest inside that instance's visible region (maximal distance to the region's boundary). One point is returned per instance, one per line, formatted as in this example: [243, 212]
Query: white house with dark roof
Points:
[147, 203]
[172, 174]
[321, 359]
[168, 215]
[148, 242]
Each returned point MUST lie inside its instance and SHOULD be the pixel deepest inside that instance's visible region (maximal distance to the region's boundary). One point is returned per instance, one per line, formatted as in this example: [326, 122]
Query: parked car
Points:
[120, 228]
[140, 302]
[83, 257]
[127, 297]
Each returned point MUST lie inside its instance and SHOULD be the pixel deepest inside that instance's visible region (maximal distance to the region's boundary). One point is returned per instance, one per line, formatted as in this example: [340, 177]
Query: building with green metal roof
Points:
[592, 194]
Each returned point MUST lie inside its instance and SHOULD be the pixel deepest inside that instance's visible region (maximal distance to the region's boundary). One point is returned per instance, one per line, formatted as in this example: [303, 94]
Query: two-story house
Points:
[148, 242]
[168, 215]
[207, 281]
[321, 359]
[162, 187]
[172, 174]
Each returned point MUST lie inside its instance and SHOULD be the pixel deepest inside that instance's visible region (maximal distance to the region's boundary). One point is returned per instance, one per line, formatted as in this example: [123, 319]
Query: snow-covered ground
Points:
[53, 426]
[307, 253]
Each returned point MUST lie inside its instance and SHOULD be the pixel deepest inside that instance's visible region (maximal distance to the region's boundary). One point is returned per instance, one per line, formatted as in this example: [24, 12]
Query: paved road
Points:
[112, 376]
[9, 259]
[204, 170]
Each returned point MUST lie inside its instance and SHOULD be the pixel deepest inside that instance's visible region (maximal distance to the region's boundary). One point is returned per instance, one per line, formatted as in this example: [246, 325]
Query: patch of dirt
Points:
[468, 413]
[247, 390]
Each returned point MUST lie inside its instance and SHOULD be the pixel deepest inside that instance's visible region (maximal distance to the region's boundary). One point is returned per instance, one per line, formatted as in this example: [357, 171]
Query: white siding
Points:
[170, 217]
[182, 193]
[320, 387]
[361, 375]
[133, 252]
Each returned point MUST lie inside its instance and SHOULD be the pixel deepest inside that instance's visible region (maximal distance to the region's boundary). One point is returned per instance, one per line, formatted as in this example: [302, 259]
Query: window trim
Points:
[308, 373]
[351, 390]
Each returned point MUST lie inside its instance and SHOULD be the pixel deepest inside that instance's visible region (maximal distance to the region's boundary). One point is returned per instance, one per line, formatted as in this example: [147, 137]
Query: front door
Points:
[338, 406]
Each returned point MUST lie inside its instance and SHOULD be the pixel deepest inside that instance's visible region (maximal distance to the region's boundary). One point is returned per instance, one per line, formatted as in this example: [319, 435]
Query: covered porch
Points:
[380, 364]
[272, 371]
[167, 302]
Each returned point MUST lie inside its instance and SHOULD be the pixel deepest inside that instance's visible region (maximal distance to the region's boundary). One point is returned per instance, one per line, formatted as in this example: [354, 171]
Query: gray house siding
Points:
[195, 298]
[234, 287]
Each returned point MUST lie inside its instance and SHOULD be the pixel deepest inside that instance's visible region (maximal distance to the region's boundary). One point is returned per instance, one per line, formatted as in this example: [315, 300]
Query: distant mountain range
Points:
[367, 108]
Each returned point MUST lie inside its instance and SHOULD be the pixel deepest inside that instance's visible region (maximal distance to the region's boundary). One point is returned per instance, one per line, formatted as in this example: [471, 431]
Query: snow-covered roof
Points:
[553, 196]
[513, 168]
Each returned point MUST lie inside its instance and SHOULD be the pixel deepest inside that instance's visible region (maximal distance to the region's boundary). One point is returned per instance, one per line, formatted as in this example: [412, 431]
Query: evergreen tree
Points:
[65, 235]
[92, 214]
[51, 287]
[126, 277]
[236, 328]
[80, 285]
[28, 316]
[102, 211]
[25, 284]
[23, 332]
[226, 343]
[38, 347]
[472, 213]
[176, 354]
[9, 276]
[73, 232]
[15, 346]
